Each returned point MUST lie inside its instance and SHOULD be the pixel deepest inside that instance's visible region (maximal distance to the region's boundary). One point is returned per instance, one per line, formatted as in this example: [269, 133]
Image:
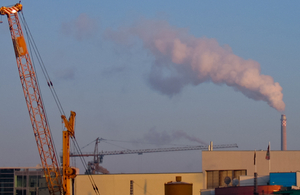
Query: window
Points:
[20, 192]
[212, 179]
[7, 171]
[223, 175]
[6, 181]
[32, 192]
[238, 173]
[215, 178]
[33, 181]
[21, 181]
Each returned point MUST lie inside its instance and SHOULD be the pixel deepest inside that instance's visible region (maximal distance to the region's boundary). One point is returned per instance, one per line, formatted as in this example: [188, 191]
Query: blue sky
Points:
[106, 81]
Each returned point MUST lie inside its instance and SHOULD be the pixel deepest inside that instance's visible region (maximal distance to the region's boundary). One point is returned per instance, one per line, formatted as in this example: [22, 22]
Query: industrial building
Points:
[149, 183]
[216, 165]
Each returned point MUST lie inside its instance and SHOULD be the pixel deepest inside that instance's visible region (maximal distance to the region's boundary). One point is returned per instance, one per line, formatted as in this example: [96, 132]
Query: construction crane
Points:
[94, 167]
[37, 112]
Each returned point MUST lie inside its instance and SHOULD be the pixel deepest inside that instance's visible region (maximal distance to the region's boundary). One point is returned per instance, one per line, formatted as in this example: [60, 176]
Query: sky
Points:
[157, 74]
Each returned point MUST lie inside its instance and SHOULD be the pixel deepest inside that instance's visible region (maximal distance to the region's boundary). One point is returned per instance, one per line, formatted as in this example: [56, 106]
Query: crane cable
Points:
[85, 166]
[32, 46]
[42, 65]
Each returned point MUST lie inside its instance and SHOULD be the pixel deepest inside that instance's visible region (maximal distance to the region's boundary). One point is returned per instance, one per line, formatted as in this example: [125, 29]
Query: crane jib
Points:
[34, 102]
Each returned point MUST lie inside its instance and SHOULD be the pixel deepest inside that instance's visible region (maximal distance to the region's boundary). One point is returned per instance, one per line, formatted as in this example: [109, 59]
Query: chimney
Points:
[283, 132]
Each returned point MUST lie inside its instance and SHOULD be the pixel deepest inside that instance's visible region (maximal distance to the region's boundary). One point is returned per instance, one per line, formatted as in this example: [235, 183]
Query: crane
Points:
[93, 166]
[37, 113]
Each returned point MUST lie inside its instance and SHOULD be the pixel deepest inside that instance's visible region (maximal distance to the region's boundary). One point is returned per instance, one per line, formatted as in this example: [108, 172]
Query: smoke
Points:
[182, 59]
[66, 74]
[164, 138]
[83, 27]
[181, 134]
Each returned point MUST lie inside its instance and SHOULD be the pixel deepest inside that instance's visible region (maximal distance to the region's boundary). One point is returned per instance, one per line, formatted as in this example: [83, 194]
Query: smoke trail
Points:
[66, 74]
[182, 59]
[181, 134]
[164, 138]
[83, 27]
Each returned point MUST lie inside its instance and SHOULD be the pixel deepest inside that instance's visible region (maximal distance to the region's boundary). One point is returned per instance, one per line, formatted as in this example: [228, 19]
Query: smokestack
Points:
[283, 132]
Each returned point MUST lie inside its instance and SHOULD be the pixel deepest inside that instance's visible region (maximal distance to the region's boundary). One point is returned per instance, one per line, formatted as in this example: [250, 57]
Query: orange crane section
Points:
[68, 172]
[34, 102]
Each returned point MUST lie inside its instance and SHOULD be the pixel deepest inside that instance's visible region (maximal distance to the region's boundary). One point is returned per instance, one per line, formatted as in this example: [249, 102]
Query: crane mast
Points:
[68, 172]
[34, 102]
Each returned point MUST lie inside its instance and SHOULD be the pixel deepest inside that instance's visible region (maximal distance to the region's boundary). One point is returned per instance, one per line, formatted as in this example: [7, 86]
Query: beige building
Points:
[216, 165]
[119, 184]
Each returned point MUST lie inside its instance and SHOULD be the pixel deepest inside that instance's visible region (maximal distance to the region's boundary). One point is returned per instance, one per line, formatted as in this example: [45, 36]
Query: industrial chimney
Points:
[283, 132]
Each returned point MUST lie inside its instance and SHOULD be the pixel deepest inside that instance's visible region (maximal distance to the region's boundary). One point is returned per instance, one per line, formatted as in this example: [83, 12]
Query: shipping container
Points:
[283, 179]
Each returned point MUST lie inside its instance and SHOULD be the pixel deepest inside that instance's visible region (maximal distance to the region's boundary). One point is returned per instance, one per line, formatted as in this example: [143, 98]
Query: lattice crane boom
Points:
[34, 102]
[94, 166]
[141, 151]
[58, 184]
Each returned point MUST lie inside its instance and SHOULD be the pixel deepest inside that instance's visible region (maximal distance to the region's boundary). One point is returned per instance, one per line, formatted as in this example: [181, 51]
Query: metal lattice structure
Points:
[33, 101]
[141, 151]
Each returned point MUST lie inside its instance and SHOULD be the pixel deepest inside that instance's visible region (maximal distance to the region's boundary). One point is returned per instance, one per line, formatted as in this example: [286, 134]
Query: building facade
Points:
[21, 181]
[116, 184]
[216, 165]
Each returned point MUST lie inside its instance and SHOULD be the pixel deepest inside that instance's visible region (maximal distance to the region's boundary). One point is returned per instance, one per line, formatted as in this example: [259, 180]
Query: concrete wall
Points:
[151, 184]
[280, 161]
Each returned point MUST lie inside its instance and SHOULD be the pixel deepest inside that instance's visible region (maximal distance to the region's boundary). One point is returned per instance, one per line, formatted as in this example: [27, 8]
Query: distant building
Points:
[21, 181]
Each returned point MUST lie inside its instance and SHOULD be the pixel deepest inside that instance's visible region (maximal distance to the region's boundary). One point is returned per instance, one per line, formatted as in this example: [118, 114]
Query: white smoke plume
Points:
[182, 59]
